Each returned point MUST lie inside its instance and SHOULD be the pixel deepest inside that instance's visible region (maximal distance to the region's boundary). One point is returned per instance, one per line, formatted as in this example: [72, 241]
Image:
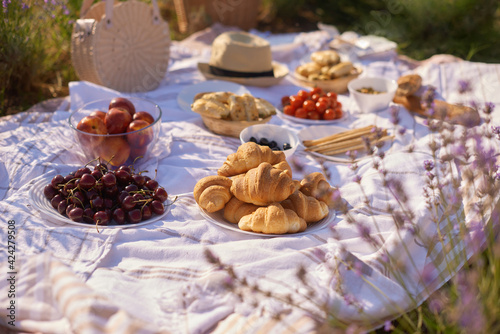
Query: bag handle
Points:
[109, 12]
[86, 4]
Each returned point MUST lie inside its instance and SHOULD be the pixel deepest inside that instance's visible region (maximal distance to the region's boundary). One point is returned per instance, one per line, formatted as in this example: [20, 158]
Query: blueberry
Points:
[253, 139]
[264, 141]
[286, 146]
[272, 144]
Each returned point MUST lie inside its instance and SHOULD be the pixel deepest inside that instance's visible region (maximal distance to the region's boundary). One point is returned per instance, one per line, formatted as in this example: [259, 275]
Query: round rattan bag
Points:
[124, 46]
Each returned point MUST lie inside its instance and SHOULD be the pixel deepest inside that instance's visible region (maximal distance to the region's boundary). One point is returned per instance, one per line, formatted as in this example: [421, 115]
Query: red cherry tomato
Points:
[303, 94]
[321, 106]
[325, 100]
[329, 114]
[316, 90]
[339, 105]
[313, 115]
[333, 102]
[285, 100]
[332, 94]
[315, 97]
[289, 110]
[296, 101]
[309, 105]
[301, 113]
[338, 113]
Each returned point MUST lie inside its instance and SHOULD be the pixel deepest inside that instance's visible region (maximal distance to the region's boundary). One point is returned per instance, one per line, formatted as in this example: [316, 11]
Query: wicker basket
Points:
[229, 128]
[193, 15]
[121, 45]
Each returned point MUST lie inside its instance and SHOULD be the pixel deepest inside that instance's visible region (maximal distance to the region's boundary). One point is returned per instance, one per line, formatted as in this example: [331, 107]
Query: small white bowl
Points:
[279, 134]
[369, 103]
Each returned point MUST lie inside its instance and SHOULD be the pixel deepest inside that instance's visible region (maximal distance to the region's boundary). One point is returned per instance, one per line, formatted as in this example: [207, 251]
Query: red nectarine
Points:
[99, 113]
[145, 116]
[91, 125]
[121, 102]
[114, 150]
[117, 120]
[141, 138]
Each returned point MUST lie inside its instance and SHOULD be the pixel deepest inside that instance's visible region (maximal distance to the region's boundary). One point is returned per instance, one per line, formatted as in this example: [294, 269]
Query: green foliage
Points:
[465, 28]
[34, 51]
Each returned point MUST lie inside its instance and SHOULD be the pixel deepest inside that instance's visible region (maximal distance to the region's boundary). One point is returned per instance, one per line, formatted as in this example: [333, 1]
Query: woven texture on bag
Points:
[129, 55]
[193, 15]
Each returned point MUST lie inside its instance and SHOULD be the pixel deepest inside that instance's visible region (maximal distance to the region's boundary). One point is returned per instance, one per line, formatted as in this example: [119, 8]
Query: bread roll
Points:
[212, 192]
[316, 185]
[236, 209]
[306, 207]
[273, 219]
[263, 185]
[248, 156]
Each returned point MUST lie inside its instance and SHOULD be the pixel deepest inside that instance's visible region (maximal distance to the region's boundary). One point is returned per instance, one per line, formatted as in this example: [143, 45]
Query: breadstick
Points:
[338, 136]
[356, 140]
[353, 146]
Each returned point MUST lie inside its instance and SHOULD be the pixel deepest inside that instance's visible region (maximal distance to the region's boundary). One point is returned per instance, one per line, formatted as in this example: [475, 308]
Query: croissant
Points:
[284, 166]
[306, 207]
[212, 192]
[235, 209]
[248, 156]
[263, 185]
[273, 219]
[316, 185]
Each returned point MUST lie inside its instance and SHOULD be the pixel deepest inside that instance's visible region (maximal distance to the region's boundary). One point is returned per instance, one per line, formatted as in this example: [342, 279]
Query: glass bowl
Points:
[124, 148]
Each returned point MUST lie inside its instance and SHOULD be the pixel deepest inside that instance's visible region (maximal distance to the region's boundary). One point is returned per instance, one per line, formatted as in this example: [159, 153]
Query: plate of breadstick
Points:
[344, 145]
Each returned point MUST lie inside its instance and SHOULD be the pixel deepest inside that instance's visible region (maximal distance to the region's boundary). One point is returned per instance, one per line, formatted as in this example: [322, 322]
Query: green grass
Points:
[35, 62]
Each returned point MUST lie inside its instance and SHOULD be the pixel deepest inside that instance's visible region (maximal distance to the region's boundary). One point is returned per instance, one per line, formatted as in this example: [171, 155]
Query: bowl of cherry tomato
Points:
[315, 106]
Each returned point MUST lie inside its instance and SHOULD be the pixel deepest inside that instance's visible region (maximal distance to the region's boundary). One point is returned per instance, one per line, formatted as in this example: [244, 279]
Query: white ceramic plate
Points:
[217, 218]
[186, 96]
[320, 131]
[41, 203]
[342, 99]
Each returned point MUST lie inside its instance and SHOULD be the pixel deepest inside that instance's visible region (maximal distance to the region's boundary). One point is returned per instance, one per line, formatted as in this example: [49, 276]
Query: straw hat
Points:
[243, 58]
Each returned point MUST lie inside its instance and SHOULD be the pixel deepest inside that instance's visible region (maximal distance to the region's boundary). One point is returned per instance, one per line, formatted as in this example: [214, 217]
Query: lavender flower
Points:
[428, 165]
[496, 131]
[429, 96]
[464, 86]
[428, 273]
[388, 326]
[364, 232]
[394, 111]
[357, 268]
[488, 108]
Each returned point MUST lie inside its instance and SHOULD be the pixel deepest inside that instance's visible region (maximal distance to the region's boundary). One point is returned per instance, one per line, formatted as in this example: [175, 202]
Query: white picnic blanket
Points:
[156, 278]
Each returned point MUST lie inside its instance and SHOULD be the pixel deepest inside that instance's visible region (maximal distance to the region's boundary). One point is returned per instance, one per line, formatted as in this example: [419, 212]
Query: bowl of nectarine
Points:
[117, 131]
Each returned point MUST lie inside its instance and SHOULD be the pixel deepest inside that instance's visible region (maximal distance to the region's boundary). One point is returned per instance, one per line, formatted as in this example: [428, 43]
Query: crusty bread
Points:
[263, 185]
[272, 219]
[248, 156]
[212, 192]
[316, 185]
[306, 207]
[236, 209]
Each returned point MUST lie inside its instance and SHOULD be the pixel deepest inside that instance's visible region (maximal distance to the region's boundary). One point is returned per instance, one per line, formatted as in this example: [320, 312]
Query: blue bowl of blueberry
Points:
[276, 137]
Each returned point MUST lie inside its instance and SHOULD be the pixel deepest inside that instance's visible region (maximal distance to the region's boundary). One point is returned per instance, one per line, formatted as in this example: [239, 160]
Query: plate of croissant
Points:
[254, 193]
